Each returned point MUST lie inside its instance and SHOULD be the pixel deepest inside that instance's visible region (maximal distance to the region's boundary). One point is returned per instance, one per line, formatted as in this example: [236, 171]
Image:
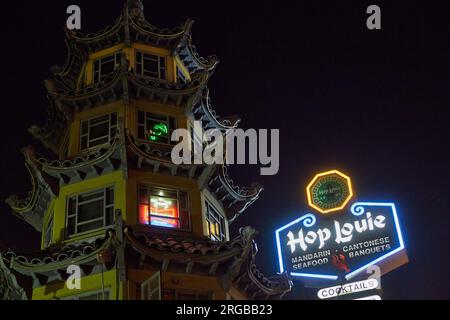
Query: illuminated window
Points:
[90, 211]
[49, 232]
[181, 78]
[216, 223]
[163, 208]
[105, 66]
[149, 65]
[98, 131]
[155, 128]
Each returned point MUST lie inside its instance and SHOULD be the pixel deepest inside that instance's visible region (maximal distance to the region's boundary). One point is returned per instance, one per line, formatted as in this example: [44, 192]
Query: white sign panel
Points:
[348, 288]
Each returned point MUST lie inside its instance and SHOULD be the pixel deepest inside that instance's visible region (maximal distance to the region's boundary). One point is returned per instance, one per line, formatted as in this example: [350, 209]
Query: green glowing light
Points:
[161, 129]
[158, 130]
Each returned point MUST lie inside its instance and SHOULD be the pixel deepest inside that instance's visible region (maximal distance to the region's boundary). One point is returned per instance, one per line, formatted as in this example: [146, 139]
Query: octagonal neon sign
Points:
[329, 191]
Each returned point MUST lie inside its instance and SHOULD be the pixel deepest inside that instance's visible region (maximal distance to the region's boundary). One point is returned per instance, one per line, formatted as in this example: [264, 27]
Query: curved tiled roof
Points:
[261, 286]
[204, 111]
[241, 192]
[139, 24]
[130, 23]
[192, 59]
[201, 247]
[109, 30]
[237, 257]
[68, 76]
[124, 82]
[33, 207]
[131, 26]
[9, 286]
[91, 158]
[106, 84]
[68, 252]
[54, 130]
[150, 150]
[235, 199]
[199, 80]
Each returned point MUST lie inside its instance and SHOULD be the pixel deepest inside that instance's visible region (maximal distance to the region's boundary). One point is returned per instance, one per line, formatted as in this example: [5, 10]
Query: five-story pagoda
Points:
[111, 201]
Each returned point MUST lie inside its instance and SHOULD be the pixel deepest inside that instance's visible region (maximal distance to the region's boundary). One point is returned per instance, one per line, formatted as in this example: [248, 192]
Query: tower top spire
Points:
[135, 7]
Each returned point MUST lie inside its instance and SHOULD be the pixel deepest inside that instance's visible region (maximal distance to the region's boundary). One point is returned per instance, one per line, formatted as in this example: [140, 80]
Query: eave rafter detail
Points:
[69, 75]
[143, 31]
[168, 93]
[53, 133]
[166, 249]
[235, 199]
[192, 59]
[130, 26]
[99, 161]
[33, 208]
[157, 157]
[51, 265]
[107, 37]
[9, 287]
[123, 84]
[233, 261]
[203, 111]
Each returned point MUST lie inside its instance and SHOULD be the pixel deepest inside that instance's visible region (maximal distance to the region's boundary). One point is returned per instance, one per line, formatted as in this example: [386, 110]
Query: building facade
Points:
[110, 202]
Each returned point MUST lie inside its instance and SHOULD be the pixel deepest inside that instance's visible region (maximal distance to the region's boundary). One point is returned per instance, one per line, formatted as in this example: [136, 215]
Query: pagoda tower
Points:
[110, 202]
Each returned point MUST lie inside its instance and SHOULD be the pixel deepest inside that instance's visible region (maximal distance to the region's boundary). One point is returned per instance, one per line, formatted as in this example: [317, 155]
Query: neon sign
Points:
[341, 245]
[161, 213]
[328, 248]
[347, 289]
[158, 130]
[329, 191]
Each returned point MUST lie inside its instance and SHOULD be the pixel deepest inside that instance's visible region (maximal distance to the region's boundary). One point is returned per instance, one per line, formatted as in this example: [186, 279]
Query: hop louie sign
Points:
[342, 244]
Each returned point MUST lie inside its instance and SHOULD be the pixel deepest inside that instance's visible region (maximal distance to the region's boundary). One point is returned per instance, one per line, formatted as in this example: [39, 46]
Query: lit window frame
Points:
[112, 122]
[104, 217]
[214, 217]
[152, 189]
[143, 131]
[97, 64]
[151, 288]
[161, 61]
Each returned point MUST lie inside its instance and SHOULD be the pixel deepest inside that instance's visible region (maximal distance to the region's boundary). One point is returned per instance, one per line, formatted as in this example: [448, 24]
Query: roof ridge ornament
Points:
[135, 8]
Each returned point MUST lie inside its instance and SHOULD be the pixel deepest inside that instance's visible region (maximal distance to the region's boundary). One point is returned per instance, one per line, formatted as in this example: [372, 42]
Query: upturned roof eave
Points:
[203, 111]
[114, 88]
[32, 209]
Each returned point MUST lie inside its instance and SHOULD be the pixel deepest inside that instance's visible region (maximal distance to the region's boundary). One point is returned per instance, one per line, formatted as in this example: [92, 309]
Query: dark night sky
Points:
[374, 104]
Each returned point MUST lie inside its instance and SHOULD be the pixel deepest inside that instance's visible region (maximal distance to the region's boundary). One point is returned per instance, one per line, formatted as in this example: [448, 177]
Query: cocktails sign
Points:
[347, 289]
[343, 244]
